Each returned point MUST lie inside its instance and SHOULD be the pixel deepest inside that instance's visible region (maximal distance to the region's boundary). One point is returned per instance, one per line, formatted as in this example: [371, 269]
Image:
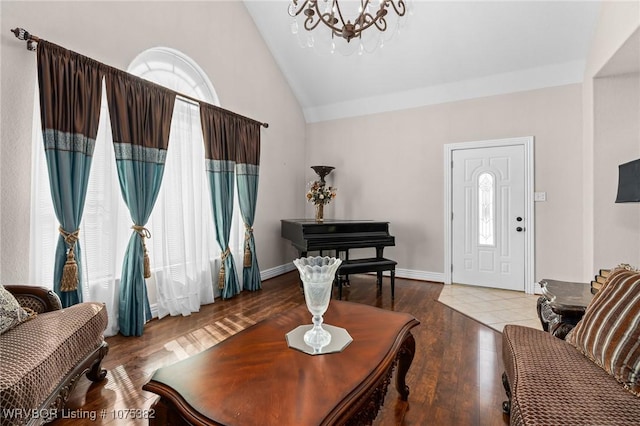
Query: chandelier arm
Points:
[364, 4]
[379, 21]
[325, 18]
[362, 22]
[381, 24]
[334, 30]
[299, 10]
[401, 9]
[322, 19]
[337, 6]
[309, 24]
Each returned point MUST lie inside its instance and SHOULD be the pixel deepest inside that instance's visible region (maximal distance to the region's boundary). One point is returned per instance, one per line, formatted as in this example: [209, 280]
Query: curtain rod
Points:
[32, 40]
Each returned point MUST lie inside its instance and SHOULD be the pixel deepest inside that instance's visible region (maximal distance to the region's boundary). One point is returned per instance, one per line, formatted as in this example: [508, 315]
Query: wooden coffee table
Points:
[562, 305]
[253, 377]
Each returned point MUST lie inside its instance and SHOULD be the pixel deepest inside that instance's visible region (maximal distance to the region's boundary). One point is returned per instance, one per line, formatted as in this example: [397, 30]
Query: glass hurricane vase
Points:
[319, 213]
[317, 274]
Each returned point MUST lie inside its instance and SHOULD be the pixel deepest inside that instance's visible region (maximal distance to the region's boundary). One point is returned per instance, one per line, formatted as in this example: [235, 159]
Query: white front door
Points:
[488, 220]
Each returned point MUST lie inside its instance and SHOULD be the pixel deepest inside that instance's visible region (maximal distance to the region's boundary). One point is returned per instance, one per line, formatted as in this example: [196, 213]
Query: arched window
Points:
[174, 70]
[182, 248]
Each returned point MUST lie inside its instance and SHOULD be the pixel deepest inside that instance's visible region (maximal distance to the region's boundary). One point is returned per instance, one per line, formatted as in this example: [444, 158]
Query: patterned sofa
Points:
[592, 377]
[42, 358]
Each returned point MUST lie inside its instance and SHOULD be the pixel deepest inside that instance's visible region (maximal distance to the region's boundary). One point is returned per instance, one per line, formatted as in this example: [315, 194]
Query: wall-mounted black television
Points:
[629, 182]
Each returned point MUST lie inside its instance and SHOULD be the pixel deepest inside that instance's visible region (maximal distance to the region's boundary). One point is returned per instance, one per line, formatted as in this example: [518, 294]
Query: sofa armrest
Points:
[40, 299]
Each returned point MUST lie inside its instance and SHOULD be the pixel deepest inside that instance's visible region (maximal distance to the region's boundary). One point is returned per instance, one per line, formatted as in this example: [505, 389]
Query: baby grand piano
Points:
[341, 235]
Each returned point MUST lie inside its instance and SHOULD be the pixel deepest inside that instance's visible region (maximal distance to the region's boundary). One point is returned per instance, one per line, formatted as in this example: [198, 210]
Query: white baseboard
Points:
[154, 310]
[412, 274]
[277, 270]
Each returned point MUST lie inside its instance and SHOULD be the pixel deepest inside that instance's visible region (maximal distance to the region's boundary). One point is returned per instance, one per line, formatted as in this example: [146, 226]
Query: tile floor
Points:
[492, 307]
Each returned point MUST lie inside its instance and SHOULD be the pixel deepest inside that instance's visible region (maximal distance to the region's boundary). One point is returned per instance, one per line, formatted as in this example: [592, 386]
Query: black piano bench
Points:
[362, 266]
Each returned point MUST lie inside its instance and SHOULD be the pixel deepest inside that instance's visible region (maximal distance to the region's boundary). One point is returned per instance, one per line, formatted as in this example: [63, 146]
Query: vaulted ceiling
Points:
[445, 51]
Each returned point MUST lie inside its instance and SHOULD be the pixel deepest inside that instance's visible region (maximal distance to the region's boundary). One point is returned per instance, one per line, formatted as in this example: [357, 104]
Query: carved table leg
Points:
[165, 414]
[539, 304]
[405, 358]
[563, 327]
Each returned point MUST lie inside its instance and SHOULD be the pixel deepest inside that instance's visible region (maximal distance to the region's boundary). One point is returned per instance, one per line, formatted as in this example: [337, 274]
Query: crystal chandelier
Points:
[345, 19]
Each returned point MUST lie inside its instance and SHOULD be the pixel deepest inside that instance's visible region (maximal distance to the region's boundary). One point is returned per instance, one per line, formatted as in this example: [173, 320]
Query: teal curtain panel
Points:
[219, 131]
[140, 121]
[70, 94]
[247, 170]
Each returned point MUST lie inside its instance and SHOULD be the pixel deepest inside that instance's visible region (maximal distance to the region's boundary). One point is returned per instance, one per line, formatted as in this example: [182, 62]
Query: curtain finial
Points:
[22, 34]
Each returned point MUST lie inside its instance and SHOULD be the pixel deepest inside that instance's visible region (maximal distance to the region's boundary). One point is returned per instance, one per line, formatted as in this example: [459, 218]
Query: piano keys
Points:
[340, 235]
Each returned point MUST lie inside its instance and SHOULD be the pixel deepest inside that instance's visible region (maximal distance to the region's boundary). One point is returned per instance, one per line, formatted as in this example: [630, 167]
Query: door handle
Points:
[519, 219]
[519, 229]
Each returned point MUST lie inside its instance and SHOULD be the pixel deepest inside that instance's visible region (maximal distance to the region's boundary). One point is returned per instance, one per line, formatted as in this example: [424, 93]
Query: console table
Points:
[562, 305]
[253, 377]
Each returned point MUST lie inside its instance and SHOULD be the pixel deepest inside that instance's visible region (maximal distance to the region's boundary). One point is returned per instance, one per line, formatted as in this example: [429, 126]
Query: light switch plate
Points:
[539, 196]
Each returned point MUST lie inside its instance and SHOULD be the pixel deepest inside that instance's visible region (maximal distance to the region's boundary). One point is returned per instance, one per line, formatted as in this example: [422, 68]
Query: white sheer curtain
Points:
[183, 251]
[182, 245]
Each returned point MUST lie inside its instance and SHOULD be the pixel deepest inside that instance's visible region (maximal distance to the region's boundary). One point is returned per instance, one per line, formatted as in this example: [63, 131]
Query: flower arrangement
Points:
[319, 193]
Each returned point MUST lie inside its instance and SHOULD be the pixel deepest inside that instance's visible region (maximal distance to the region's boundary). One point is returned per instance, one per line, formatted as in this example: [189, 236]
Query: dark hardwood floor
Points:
[454, 378]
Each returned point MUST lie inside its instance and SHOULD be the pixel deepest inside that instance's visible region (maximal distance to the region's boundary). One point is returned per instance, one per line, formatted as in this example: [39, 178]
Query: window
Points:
[176, 71]
[182, 248]
[486, 209]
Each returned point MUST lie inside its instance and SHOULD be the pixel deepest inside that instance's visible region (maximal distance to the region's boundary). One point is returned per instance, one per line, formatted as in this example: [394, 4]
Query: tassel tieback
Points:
[69, 280]
[221, 274]
[247, 248]
[144, 233]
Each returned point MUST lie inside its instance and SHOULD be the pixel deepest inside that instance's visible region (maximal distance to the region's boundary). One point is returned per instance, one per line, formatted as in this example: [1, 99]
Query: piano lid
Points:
[325, 221]
[309, 235]
[333, 226]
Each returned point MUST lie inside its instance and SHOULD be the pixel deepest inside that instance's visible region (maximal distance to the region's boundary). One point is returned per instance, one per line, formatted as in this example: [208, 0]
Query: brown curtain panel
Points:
[140, 121]
[70, 95]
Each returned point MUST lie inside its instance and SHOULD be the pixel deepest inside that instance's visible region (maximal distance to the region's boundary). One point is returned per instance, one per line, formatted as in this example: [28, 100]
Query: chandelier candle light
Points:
[342, 20]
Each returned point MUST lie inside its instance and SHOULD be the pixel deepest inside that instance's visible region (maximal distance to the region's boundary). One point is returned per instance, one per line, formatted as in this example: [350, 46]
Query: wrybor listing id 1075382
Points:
[49, 414]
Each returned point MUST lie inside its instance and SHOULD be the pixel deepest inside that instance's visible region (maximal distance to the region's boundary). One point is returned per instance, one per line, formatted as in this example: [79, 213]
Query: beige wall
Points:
[617, 22]
[390, 167]
[219, 36]
[617, 141]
